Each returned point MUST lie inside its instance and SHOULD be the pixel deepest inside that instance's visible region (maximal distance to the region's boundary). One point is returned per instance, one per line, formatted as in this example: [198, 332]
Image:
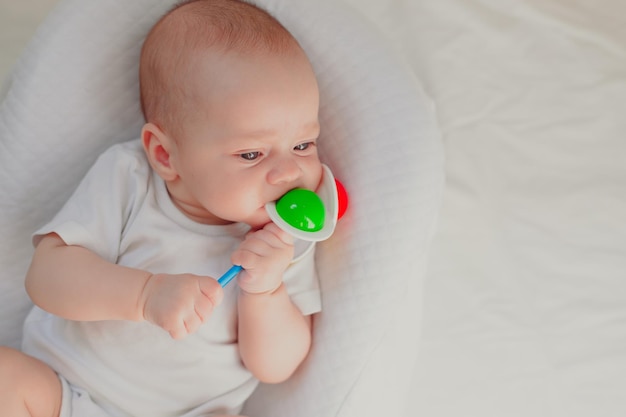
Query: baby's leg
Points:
[28, 387]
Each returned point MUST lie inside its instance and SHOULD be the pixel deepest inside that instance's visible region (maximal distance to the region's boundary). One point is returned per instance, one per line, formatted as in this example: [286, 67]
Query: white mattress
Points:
[525, 301]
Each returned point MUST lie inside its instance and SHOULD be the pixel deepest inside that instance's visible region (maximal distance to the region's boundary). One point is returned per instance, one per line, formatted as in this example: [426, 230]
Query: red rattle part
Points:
[342, 199]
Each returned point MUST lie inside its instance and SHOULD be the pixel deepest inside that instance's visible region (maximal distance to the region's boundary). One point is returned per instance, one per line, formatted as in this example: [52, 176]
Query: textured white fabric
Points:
[74, 92]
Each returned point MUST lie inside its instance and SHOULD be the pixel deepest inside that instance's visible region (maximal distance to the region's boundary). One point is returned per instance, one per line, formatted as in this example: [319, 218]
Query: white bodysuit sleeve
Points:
[95, 214]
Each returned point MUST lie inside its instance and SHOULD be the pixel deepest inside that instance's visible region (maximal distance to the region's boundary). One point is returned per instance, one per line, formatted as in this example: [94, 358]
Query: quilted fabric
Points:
[74, 92]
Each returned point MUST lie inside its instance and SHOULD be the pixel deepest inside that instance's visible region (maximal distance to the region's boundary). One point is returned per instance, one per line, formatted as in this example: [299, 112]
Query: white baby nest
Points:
[74, 92]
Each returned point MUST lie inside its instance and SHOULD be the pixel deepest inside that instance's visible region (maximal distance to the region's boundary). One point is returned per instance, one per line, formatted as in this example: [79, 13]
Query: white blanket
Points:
[525, 300]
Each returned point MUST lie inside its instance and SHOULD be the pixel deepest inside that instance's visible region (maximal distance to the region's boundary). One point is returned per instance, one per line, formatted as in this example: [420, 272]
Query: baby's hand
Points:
[180, 303]
[264, 255]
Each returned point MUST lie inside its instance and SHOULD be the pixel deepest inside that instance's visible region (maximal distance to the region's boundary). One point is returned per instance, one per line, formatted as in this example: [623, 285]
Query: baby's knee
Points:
[10, 374]
[27, 382]
[11, 364]
[9, 359]
[17, 368]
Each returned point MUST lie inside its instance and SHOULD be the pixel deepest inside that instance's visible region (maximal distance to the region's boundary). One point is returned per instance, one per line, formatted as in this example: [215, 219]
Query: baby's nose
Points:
[286, 170]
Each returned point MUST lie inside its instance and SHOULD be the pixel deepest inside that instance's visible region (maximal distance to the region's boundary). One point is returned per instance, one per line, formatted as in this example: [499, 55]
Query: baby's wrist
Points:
[260, 293]
[143, 297]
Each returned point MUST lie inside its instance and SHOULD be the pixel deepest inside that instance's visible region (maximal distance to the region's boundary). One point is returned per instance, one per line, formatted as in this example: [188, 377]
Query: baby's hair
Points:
[192, 27]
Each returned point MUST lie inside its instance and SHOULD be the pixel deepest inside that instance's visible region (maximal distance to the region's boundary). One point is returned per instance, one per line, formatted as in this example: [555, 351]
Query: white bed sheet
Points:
[526, 293]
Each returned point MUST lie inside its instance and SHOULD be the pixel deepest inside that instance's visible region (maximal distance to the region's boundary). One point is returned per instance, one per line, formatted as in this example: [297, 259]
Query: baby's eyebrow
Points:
[310, 130]
[305, 131]
[315, 125]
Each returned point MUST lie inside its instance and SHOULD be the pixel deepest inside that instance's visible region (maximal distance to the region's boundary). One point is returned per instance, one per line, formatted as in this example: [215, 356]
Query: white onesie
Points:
[122, 212]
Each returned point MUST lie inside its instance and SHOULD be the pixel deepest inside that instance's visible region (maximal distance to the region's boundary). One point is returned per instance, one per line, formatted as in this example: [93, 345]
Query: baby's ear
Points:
[158, 146]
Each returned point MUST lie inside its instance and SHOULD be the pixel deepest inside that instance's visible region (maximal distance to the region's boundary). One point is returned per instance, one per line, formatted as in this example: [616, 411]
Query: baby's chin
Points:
[259, 219]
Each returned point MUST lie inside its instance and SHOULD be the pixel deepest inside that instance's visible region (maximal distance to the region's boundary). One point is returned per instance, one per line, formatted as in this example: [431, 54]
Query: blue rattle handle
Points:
[229, 275]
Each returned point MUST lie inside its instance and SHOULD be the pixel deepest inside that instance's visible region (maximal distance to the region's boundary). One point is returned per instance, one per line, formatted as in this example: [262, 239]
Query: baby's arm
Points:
[75, 283]
[274, 336]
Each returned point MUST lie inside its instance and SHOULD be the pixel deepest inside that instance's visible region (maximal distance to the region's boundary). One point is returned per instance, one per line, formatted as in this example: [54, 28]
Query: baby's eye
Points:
[303, 146]
[250, 156]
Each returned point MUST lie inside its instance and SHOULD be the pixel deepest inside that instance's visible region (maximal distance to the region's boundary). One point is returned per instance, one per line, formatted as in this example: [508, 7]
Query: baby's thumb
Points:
[212, 290]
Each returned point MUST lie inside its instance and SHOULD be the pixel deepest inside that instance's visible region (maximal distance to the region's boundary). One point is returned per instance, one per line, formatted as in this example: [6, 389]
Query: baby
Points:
[129, 318]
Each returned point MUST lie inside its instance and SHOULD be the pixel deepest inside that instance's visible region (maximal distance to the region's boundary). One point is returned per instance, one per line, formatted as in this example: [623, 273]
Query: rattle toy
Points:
[304, 214]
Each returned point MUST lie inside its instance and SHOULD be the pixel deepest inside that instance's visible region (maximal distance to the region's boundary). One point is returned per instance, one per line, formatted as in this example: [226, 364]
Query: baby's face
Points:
[254, 139]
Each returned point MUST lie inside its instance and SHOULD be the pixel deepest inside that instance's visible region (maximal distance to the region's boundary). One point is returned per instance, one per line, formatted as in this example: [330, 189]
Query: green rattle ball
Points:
[302, 209]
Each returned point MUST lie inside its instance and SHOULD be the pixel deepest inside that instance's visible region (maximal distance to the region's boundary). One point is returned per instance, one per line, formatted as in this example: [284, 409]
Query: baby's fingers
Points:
[190, 321]
[176, 327]
[210, 296]
[279, 233]
[180, 304]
